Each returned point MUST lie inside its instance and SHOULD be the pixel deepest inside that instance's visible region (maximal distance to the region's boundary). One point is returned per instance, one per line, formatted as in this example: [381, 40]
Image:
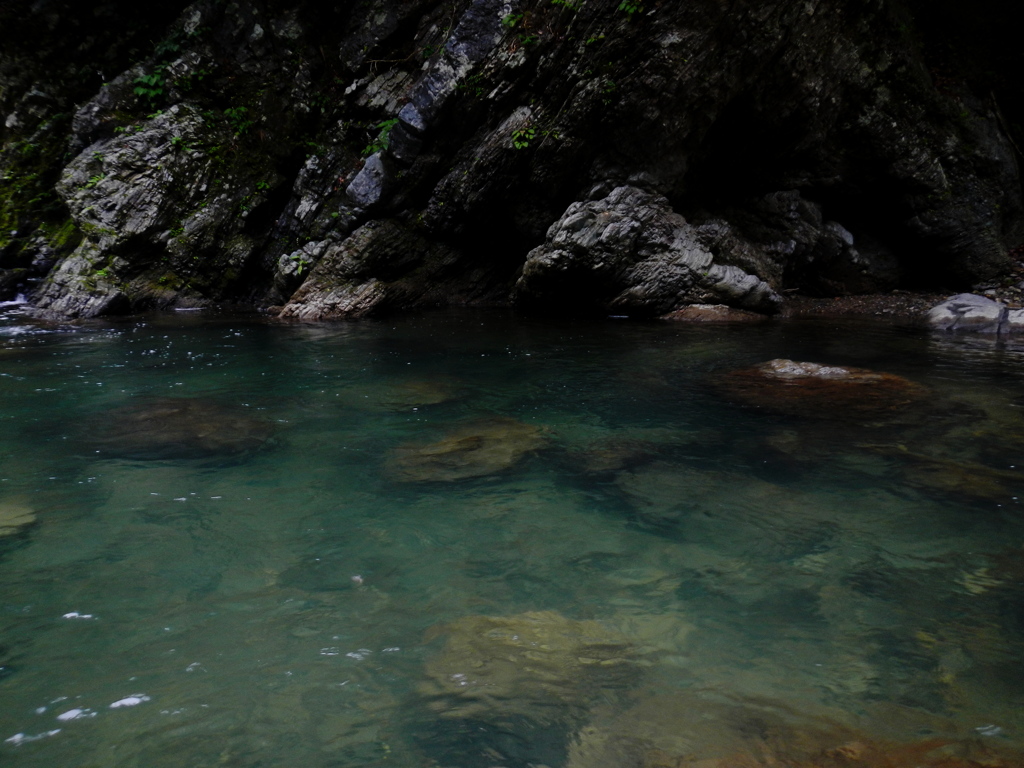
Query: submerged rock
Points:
[180, 428]
[676, 730]
[822, 391]
[736, 519]
[600, 450]
[612, 455]
[15, 516]
[404, 395]
[473, 450]
[955, 477]
[536, 665]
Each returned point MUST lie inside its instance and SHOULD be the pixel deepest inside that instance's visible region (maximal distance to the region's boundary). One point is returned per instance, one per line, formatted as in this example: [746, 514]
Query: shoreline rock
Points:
[975, 314]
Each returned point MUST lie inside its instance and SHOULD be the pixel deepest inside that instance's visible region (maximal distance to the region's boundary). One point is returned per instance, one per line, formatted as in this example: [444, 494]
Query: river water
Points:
[471, 539]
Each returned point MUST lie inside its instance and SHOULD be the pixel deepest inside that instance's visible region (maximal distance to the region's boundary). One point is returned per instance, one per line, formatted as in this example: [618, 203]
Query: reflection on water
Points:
[473, 540]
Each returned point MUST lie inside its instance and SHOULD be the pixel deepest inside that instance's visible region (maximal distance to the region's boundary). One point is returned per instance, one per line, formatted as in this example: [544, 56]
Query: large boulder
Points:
[977, 314]
[382, 265]
[630, 253]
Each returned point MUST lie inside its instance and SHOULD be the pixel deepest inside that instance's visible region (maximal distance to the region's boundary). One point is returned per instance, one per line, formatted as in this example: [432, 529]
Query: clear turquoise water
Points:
[302, 603]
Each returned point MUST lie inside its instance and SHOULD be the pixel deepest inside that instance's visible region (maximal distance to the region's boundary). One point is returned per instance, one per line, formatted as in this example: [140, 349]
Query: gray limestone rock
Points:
[630, 253]
[1014, 322]
[381, 265]
[370, 184]
[968, 312]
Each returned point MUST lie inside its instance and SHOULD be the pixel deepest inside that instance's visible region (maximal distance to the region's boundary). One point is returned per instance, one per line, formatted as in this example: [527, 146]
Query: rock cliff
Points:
[626, 156]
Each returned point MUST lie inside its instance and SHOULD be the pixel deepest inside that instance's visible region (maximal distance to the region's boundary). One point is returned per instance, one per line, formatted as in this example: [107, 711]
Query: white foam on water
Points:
[17, 301]
[75, 714]
[23, 738]
[132, 700]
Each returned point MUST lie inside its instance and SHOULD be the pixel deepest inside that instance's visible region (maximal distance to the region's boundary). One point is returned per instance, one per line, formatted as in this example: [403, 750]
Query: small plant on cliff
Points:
[520, 20]
[151, 87]
[299, 264]
[240, 124]
[383, 139]
[630, 7]
[521, 139]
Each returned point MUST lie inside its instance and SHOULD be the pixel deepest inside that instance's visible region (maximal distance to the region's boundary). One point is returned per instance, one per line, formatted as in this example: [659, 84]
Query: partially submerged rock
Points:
[180, 428]
[968, 312]
[536, 665]
[15, 516]
[473, 450]
[824, 391]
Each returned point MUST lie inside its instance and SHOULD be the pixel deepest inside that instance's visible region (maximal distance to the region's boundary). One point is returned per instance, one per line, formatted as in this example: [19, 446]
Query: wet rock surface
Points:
[179, 428]
[474, 450]
[821, 391]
